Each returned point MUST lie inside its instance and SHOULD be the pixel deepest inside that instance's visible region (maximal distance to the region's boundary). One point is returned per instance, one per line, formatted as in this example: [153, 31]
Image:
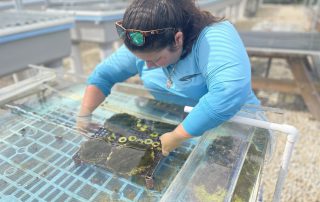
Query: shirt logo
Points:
[188, 77]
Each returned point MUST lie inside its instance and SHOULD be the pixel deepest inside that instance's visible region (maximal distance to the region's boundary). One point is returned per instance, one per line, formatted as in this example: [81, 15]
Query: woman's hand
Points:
[92, 98]
[173, 139]
[84, 124]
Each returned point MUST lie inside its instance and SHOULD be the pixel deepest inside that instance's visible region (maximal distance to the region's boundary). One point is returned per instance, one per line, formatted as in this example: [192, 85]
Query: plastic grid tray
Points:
[36, 164]
[22, 18]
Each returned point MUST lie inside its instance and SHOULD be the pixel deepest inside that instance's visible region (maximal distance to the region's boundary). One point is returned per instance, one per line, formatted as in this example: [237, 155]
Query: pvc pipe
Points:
[292, 137]
[18, 5]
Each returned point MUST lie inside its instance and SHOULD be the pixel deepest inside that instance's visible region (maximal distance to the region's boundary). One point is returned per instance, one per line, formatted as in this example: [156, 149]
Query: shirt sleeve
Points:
[116, 68]
[225, 65]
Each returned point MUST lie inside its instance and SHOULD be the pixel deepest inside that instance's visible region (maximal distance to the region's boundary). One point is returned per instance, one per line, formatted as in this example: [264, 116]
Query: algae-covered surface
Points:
[136, 160]
[210, 179]
[127, 146]
[208, 184]
[124, 159]
[252, 166]
[203, 195]
[161, 108]
[144, 128]
[95, 151]
[223, 150]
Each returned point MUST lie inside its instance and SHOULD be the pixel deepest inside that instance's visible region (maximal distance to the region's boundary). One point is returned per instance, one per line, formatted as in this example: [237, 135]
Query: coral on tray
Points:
[126, 145]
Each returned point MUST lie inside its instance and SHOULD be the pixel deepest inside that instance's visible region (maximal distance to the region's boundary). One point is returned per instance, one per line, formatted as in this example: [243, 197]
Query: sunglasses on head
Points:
[137, 37]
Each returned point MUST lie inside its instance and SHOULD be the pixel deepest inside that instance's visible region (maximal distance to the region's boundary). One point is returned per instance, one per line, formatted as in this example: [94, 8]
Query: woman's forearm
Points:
[92, 98]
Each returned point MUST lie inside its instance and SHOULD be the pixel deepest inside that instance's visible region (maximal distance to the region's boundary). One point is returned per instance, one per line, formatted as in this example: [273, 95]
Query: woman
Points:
[180, 50]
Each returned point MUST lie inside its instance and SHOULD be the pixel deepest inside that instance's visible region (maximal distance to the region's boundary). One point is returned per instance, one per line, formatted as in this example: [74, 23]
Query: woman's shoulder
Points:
[220, 33]
[222, 28]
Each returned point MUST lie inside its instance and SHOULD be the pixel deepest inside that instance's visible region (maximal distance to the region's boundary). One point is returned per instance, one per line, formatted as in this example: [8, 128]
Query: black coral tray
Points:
[127, 146]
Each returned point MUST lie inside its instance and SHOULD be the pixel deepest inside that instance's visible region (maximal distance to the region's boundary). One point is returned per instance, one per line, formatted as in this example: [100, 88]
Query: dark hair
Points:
[183, 15]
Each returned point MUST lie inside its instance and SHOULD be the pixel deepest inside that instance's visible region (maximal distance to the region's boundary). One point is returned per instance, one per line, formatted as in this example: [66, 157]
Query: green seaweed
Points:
[204, 196]
[252, 166]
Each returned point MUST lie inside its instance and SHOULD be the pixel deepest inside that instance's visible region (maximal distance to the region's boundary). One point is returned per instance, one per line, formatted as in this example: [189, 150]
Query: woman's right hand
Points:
[92, 98]
[85, 125]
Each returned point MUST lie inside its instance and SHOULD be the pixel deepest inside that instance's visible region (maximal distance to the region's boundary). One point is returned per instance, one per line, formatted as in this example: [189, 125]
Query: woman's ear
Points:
[179, 39]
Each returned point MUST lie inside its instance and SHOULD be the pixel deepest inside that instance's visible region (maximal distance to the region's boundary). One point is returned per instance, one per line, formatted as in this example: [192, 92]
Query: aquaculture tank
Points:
[43, 157]
[27, 35]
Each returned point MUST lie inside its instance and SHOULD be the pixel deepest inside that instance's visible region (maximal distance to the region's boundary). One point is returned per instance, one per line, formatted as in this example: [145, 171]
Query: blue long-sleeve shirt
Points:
[215, 77]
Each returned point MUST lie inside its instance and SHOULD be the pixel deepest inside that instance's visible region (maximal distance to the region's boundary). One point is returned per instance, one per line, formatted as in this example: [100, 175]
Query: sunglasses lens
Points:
[137, 38]
[120, 30]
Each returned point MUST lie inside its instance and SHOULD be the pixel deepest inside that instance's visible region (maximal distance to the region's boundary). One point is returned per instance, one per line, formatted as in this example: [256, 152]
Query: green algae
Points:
[204, 196]
[252, 166]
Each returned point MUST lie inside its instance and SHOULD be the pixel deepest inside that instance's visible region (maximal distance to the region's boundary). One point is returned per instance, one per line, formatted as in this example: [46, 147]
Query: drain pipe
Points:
[292, 137]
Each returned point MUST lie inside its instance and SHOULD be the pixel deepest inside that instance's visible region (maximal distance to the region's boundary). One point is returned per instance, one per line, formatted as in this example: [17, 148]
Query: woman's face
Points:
[161, 58]
[164, 57]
